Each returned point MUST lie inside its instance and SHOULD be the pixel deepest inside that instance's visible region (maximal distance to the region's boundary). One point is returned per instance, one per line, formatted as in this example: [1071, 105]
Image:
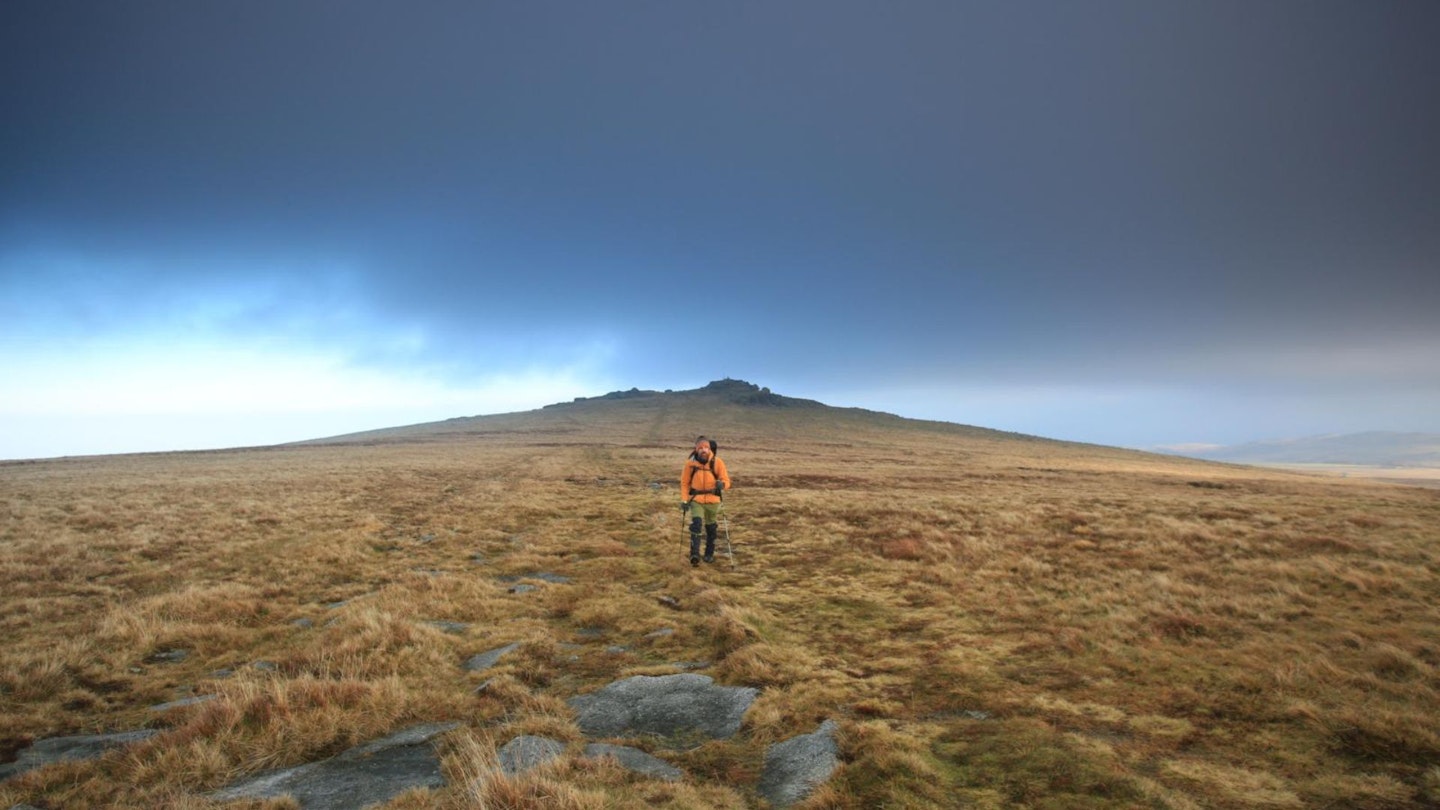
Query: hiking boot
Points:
[709, 557]
[694, 559]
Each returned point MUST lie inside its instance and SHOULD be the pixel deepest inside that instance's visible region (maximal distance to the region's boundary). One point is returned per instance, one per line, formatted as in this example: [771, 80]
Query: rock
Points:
[797, 766]
[368, 774]
[543, 576]
[661, 633]
[523, 588]
[486, 660]
[669, 601]
[671, 706]
[266, 666]
[616, 649]
[633, 759]
[62, 749]
[177, 704]
[304, 624]
[526, 752]
[454, 628]
[168, 657]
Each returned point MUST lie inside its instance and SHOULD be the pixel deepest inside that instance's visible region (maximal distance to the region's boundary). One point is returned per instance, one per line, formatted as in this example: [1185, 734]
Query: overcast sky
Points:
[1134, 223]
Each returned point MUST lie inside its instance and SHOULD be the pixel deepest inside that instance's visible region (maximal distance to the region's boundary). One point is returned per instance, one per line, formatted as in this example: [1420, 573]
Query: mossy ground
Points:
[995, 621]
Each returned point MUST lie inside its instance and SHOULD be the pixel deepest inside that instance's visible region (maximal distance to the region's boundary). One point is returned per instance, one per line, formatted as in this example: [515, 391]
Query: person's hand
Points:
[684, 506]
[719, 487]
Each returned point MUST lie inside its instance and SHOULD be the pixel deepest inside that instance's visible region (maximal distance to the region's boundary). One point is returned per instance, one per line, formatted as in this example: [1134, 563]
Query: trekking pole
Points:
[725, 520]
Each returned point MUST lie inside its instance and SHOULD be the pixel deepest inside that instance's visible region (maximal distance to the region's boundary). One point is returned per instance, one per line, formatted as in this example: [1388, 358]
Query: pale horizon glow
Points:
[205, 398]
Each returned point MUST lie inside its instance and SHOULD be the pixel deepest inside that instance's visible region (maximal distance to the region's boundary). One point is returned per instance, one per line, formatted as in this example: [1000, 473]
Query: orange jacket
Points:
[698, 479]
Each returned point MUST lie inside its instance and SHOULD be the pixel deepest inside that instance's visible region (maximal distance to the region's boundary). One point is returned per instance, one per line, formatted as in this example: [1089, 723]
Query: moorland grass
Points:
[994, 620]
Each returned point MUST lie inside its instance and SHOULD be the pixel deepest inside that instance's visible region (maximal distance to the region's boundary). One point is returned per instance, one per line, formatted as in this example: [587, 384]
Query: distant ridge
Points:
[1374, 448]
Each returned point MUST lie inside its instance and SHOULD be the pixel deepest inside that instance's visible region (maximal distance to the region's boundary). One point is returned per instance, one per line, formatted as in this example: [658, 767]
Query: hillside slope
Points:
[738, 413]
[993, 621]
[733, 407]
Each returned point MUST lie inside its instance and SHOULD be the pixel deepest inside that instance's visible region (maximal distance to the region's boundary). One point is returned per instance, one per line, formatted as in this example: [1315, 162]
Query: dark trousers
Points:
[710, 531]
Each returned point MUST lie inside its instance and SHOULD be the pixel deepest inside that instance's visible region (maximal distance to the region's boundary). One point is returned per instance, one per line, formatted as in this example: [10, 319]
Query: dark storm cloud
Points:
[1110, 190]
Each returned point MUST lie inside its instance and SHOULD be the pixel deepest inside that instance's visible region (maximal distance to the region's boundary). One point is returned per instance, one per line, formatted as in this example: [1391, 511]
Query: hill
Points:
[990, 620]
[740, 410]
[1375, 448]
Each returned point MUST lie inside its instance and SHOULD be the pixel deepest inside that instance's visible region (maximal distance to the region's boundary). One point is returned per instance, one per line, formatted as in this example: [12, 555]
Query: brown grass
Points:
[996, 621]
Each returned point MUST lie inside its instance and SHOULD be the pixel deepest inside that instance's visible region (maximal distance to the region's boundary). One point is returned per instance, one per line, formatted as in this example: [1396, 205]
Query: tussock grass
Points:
[995, 621]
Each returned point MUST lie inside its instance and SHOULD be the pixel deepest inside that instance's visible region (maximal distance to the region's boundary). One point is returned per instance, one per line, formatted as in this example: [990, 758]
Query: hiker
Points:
[701, 483]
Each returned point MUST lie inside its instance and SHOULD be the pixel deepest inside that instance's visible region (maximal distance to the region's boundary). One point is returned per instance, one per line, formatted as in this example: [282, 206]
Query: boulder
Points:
[797, 766]
[526, 752]
[168, 657]
[183, 702]
[368, 774]
[61, 749]
[633, 759]
[488, 659]
[454, 628]
[676, 707]
[543, 576]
